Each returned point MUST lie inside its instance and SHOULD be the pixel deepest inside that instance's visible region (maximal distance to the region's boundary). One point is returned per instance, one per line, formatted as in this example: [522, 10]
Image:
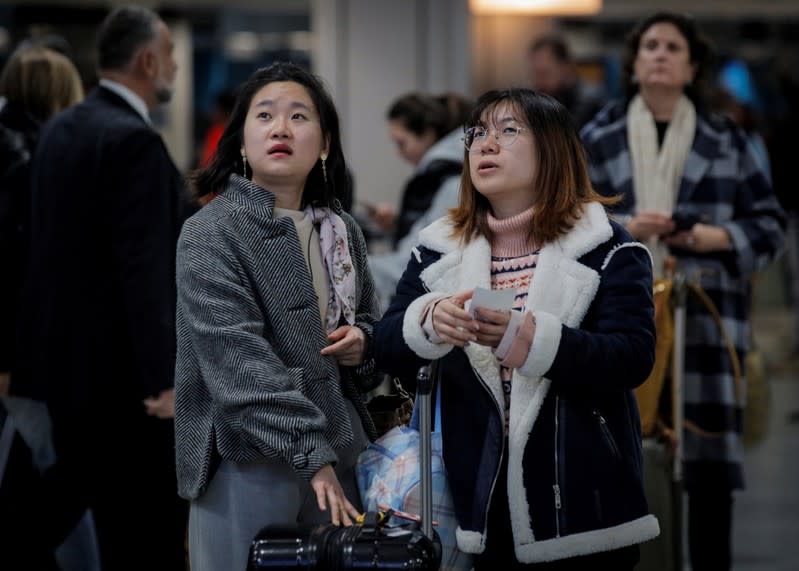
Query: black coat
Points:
[421, 191]
[100, 290]
[98, 316]
[18, 134]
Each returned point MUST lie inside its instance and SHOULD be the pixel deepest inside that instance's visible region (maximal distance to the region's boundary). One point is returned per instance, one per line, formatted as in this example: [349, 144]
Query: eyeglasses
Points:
[504, 137]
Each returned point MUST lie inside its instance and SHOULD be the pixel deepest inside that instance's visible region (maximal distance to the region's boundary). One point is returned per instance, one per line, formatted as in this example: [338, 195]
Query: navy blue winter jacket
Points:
[574, 443]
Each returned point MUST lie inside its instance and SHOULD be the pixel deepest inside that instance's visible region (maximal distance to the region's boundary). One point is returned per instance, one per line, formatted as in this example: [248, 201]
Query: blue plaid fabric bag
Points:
[389, 476]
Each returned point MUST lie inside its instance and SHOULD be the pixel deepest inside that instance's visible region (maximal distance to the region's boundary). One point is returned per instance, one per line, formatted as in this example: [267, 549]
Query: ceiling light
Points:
[537, 7]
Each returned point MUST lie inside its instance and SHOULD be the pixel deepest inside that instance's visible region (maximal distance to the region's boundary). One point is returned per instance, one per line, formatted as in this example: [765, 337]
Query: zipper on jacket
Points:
[556, 486]
[502, 452]
[606, 434]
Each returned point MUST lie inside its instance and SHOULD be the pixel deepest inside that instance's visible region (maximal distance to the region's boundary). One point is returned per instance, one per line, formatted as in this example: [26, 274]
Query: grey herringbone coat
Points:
[250, 382]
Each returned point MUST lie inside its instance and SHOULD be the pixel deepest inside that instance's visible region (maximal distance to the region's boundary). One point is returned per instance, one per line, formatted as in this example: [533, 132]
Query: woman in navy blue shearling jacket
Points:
[540, 426]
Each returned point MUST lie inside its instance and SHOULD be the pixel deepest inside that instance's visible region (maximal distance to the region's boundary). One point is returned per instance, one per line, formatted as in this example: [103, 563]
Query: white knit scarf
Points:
[657, 174]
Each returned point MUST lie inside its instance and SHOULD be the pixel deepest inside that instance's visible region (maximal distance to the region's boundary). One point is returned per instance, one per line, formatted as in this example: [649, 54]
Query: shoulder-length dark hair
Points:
[228, 160]
[561, 184]
[699, 47]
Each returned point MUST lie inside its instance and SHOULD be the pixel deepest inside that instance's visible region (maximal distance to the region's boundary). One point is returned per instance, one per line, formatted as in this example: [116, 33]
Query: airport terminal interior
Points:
[371, 51]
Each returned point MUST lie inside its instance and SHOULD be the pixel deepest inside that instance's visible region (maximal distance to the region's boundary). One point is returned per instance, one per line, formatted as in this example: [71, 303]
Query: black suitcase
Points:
[367, 545]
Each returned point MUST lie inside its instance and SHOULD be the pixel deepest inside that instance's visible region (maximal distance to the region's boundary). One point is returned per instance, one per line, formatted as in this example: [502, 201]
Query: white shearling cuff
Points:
[413, 332]
[470, 541]
[548, 329]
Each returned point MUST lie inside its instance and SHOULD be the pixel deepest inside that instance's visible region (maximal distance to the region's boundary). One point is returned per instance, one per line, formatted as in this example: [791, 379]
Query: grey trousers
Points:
[242, 498]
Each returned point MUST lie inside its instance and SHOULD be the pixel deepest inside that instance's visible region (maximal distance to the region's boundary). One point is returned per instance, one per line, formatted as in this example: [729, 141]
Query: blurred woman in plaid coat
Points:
[693, 189]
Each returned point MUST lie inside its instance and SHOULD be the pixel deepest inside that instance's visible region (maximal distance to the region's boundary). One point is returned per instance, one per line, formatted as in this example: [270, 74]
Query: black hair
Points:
[227, 159]
[225, 100]
[458, 108]
[419, 112]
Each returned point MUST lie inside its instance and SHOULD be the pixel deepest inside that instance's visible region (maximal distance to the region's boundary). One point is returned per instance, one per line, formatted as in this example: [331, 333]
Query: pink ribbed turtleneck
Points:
[511, 235]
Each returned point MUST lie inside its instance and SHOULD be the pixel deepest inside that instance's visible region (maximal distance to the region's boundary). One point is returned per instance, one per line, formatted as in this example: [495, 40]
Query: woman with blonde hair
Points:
[37, 83]
[41, 82]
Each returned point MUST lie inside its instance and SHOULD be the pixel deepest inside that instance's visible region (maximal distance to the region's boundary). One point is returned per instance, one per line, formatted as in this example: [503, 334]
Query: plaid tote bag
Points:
[389, 477]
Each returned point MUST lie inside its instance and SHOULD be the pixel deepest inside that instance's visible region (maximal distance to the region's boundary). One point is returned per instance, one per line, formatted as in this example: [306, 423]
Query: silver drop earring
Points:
[244, 163]
[324, 167]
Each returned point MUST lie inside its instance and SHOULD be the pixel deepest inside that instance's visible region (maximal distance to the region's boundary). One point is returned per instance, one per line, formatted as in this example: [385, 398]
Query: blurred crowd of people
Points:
[93, 205]
[196, 350]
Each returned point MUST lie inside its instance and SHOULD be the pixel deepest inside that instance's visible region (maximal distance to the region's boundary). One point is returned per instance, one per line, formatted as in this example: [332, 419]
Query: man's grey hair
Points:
[122, 33]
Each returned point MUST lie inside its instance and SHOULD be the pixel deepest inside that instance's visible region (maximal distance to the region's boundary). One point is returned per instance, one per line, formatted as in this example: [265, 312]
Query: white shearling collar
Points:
[591, 230]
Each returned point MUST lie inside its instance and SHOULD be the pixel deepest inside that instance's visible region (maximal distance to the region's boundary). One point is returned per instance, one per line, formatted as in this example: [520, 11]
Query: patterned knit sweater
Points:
[513, 261]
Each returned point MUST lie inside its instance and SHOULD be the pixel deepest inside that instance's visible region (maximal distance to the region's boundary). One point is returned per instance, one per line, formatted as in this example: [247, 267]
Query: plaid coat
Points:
[250, 382]
[723, 185]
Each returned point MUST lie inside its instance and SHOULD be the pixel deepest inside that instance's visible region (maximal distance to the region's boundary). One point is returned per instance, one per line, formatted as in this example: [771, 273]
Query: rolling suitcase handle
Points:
[424, 388]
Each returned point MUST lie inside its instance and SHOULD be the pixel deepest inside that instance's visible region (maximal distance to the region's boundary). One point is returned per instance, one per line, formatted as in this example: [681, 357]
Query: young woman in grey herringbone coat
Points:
[275, 314]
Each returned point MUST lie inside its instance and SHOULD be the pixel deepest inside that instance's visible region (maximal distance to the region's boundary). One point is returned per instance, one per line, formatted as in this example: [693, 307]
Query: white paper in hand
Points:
[498, 300]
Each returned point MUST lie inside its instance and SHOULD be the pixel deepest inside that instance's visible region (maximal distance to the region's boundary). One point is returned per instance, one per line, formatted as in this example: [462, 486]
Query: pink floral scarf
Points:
[340, 270]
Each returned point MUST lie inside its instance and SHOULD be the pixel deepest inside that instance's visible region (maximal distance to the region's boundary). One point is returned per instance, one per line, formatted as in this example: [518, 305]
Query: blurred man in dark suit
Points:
[99, 333]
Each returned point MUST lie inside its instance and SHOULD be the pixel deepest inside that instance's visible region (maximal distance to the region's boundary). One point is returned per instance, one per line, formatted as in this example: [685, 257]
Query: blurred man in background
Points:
[552, 70]
[99, 334]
